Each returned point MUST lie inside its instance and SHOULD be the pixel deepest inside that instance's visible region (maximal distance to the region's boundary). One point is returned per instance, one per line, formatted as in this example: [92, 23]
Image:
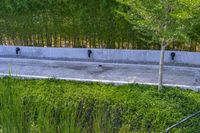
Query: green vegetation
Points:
[83, 23]
[70, 23]
[165, 21]
[39, 106]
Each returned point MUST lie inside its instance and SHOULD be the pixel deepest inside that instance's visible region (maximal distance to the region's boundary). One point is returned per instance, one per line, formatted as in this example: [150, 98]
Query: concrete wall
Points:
[147, 56]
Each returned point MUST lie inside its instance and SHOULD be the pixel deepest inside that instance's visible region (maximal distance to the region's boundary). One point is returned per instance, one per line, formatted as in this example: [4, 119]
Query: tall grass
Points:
[52, 106]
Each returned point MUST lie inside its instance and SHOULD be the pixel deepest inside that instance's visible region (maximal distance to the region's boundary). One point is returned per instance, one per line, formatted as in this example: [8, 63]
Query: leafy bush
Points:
[40, 106]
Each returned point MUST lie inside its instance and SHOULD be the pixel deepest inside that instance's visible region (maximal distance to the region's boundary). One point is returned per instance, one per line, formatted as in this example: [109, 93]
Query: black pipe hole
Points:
[17, 50]
[89, 53]
[173, 55]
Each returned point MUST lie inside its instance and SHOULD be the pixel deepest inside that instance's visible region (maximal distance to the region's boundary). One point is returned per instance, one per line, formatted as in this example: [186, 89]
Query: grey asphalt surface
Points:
[96, 71]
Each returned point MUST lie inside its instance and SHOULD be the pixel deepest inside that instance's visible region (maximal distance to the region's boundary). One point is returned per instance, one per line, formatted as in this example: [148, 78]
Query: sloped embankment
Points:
[56, 106]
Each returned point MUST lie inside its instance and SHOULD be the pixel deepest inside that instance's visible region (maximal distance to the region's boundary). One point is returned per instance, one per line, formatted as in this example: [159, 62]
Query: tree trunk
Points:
[161, 66]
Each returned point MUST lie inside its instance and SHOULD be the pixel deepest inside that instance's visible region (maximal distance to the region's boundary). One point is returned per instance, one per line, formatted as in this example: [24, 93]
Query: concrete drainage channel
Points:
[101, 65]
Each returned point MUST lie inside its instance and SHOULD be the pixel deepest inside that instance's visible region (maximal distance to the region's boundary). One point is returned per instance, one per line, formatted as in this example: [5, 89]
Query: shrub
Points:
[57, 106]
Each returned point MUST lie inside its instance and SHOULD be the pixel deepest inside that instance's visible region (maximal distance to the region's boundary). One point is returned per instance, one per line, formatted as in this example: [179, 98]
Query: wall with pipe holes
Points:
[106, 55]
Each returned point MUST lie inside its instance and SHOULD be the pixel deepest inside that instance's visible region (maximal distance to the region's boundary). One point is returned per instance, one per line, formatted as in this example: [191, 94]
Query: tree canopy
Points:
[171, 20]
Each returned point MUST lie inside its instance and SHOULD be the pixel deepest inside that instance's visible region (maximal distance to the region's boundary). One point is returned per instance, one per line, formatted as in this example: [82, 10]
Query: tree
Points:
[166, 21]
[92, 21]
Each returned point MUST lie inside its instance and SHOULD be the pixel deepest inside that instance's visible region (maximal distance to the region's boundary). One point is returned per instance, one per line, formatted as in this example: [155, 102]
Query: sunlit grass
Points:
[53, 106]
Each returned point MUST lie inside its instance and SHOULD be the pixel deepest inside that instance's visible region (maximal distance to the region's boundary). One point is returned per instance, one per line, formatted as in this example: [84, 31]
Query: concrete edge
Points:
[116, 64]
[194, 88]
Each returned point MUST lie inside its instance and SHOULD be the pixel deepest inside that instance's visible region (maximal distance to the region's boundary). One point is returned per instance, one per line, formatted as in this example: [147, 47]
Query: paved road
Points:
[106, 72]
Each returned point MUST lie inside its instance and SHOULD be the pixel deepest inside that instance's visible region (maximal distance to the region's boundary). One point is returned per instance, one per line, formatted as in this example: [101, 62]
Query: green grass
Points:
[53, 106]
